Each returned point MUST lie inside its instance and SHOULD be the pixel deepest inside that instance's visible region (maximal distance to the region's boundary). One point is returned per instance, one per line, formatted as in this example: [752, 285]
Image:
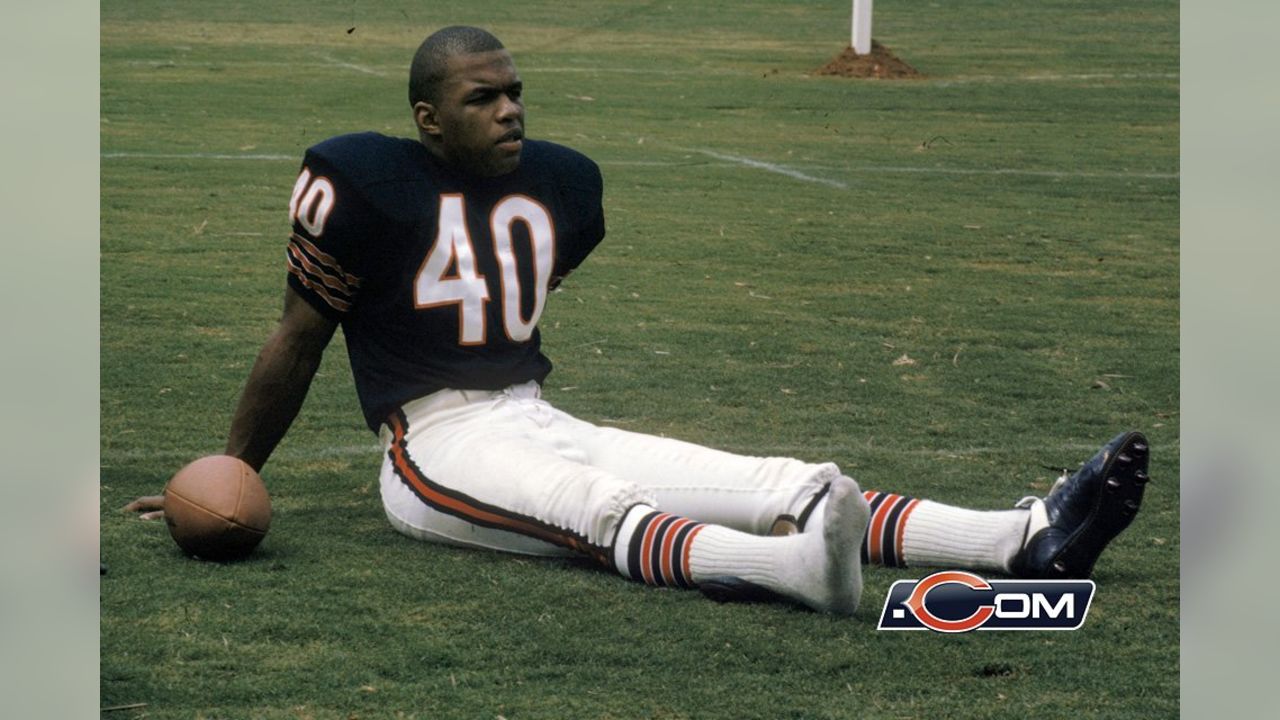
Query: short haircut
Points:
[430, 63]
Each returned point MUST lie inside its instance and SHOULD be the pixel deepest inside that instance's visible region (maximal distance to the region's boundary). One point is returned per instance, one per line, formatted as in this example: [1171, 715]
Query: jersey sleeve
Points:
[585, 202]
[330, 223]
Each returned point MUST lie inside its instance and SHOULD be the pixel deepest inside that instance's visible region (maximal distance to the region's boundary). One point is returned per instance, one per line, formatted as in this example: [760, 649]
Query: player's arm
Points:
[273, 394]
[323, 262]
[279, 381]
[582, 190]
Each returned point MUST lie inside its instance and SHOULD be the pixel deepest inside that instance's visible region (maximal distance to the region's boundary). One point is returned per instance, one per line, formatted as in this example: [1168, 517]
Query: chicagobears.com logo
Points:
[953, 601]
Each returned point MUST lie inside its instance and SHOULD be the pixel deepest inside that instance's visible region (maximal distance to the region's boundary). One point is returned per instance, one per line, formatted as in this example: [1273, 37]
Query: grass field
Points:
[940, 284]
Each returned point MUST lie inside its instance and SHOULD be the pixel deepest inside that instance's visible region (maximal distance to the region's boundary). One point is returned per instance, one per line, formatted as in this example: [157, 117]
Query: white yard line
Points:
[351, 66]
[770, 167]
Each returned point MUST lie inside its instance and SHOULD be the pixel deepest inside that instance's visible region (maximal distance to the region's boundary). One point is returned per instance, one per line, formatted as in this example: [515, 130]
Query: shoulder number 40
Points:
[448, 275]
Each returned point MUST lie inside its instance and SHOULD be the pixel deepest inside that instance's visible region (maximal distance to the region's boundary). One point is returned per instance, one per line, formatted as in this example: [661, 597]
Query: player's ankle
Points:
[653, 547]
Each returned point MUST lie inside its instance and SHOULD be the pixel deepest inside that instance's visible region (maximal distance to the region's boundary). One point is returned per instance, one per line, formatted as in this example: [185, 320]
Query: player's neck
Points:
[436, 150]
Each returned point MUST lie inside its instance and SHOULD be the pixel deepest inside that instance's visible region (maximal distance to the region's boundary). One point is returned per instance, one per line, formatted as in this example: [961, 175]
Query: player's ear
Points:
[426, 118]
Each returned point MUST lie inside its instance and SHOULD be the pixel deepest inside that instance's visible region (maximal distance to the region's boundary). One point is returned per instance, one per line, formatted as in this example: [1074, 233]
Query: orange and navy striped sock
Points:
[882, 544]
[653, 547]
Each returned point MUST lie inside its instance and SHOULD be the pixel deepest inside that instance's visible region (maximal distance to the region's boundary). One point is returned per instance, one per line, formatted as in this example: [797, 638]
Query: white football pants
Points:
[504, 470]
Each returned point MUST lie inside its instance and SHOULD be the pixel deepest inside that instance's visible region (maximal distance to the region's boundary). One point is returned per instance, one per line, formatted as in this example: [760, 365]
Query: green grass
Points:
[1010, 223]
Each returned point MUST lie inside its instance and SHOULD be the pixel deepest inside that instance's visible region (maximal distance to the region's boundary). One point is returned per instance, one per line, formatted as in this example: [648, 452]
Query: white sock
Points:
[818, 568]
[945, 536]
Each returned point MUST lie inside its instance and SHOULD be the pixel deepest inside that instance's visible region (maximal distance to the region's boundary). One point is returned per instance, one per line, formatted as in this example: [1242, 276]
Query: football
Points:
[217, 508]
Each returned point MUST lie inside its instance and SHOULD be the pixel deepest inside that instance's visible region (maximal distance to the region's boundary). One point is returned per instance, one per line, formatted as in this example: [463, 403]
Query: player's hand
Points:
[150, 507]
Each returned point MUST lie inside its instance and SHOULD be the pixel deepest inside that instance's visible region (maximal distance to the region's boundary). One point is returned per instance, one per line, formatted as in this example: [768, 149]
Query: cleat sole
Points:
[1112, 511]
[729, 589]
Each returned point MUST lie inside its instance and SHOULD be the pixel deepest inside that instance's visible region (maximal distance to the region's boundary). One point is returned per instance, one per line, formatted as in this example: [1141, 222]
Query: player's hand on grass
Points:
[149, 507]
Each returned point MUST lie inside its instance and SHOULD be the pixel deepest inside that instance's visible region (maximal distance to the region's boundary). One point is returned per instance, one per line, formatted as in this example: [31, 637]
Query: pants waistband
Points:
[450, 399]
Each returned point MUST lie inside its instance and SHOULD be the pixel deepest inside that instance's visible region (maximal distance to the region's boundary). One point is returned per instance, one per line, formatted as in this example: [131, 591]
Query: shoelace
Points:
[1030, 500]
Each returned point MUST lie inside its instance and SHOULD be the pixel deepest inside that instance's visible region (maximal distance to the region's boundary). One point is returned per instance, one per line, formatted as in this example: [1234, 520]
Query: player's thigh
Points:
[411, 516]
[499, 470]
[740, 491]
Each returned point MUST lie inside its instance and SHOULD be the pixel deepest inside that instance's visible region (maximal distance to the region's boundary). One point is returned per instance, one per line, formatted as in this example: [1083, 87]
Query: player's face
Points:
[480, 117]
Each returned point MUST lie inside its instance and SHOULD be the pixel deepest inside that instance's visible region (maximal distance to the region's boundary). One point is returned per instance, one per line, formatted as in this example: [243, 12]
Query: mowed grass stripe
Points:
[373, 449]
[394, 71]
[726, 161]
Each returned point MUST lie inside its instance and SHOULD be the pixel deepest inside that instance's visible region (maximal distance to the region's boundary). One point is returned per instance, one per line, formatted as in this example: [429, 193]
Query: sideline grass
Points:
[1008, 225]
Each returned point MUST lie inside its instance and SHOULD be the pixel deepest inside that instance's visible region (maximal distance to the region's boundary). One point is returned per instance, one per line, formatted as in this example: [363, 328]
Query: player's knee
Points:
[601, 500]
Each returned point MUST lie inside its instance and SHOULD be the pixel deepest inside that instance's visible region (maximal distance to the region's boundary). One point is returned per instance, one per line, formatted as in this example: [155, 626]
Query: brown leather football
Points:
[217, 508]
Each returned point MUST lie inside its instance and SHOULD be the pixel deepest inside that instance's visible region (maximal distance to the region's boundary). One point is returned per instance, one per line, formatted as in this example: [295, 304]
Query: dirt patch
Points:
[879, 63]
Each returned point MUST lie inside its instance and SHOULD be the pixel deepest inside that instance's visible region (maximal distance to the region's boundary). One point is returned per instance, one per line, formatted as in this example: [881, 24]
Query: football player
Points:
[436, 256]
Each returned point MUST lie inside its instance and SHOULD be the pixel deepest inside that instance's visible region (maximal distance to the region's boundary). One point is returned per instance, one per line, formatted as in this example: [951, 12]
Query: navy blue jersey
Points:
[438, 278]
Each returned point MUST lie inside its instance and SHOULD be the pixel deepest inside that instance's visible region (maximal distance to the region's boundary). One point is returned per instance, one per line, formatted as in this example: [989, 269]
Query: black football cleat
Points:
[1086, 511]
[736, 590]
